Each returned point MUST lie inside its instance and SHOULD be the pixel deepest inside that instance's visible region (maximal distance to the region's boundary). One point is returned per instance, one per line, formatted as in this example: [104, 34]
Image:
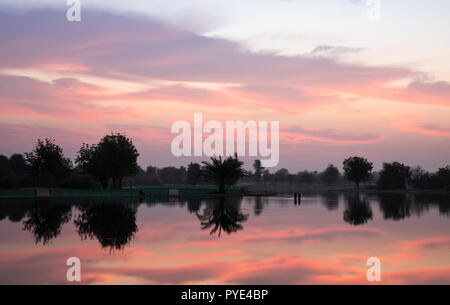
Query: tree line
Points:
[112, 163]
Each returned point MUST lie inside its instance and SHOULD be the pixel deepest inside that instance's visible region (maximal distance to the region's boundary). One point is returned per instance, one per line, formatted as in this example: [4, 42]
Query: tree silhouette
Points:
[394, 176]
[222, 215]
[259, 170]
[330, 174]
[223, 173]
[45, 220]
[112, 224]
[47, 162]
[193, 173]
[358, 210]
[113, 157]
[357, 169]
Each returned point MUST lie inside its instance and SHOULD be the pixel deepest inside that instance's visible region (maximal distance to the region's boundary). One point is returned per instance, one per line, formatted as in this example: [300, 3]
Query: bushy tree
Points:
[330, 174]
[47, 162]
[357, 169]
[306, 177]
[443, 175]
[394, 175]
[115, 157]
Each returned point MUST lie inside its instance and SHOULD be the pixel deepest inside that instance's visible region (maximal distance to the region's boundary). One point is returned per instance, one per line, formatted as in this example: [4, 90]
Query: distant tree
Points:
[223, 173]
[47, 159]
[18, 164]
[394, 175]
[115, 157]
[172, 175]
[267, 177]
[151, 170]
[330, 174]
[259, 169]
[306, 177]
[281, 176]
[194, 173]
[443, 175]
[419, 178]
[357, 169]
[4, 163]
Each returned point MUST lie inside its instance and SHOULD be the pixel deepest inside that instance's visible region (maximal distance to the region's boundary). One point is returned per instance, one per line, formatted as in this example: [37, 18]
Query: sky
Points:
[339, 83]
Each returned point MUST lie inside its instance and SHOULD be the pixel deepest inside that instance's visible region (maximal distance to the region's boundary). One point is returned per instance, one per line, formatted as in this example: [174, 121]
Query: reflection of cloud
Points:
[429, 276]
[281, 269]
[286, 269]
[316, 235]
[47, 266]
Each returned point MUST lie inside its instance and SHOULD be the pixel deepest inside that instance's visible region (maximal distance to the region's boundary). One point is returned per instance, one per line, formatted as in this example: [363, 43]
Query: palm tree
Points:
[223, 173]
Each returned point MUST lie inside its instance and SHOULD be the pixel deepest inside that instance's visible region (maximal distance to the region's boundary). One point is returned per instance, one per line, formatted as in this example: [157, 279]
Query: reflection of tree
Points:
[45, 220]
[222, 214]
[193, 205]
[330, 200]
[395, 206]
[14, 212]
[113, 224]
[257, 209]
[358, 210]
[444, 209]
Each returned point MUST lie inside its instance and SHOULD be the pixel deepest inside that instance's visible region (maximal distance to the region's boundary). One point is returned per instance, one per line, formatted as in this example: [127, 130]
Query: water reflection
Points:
[358, 210]
[258, 207]
[112, 224]
[45, 220]
[330, 200]
[223, 214]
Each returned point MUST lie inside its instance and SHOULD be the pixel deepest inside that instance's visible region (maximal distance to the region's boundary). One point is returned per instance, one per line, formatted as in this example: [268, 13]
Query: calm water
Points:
[325, 239]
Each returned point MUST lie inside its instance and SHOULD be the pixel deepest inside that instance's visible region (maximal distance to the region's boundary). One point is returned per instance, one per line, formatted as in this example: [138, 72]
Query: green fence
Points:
[93, 193]
[17, 193]
[150, 190]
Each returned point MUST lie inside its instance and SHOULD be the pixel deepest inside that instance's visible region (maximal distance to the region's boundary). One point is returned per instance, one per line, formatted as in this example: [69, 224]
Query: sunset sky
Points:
[339, 84]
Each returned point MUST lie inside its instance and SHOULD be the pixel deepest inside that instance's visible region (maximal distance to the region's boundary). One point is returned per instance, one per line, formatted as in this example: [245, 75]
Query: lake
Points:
[324, 239]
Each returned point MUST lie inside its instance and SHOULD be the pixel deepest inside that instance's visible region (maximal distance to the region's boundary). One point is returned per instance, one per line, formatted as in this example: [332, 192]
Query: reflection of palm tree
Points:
[358, 210]
[45, 220]
[222, 214]
[113, 224]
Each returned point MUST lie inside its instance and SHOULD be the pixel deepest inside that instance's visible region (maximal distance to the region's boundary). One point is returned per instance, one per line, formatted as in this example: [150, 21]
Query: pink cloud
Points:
[431, 243]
